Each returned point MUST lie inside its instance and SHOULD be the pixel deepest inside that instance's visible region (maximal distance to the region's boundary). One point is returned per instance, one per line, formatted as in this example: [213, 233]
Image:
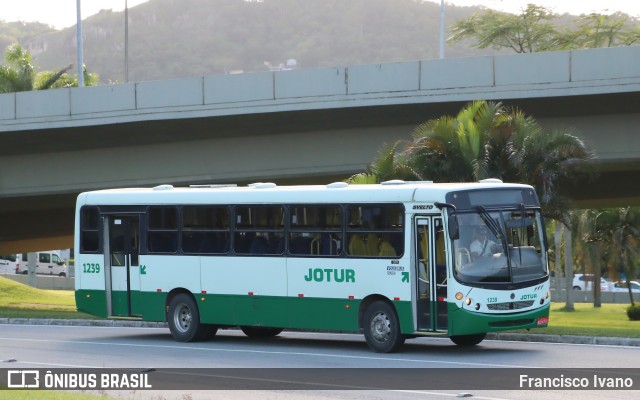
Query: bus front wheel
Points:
[184, 320]
[468, 340]
[382, 328]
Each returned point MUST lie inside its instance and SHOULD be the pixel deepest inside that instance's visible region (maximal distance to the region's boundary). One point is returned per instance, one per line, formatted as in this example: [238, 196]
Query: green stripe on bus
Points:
[273, 311]
[92, 302]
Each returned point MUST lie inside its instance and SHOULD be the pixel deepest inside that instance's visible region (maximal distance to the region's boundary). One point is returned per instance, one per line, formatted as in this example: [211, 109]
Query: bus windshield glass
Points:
[499, 247]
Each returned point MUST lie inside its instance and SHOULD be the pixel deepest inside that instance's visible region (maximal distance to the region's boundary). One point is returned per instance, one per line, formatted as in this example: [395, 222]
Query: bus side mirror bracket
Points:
[452, 222]
[452, 226]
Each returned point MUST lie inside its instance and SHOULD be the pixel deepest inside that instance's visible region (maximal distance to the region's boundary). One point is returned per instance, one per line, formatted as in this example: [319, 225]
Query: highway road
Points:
[30, 347]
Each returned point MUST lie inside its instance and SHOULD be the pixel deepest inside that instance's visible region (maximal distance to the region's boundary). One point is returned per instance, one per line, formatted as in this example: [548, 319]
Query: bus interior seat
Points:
[357, 247]
[372, 245]
[387, 250]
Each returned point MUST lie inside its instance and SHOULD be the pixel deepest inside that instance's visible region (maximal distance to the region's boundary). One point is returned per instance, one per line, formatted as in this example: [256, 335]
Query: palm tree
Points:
[455, 148]
[390, 164]
[20, 75]
[490, 140]
[622, 231]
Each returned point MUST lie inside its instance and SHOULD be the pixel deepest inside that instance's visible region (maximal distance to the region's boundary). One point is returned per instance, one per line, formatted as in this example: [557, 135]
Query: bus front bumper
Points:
[464, 322]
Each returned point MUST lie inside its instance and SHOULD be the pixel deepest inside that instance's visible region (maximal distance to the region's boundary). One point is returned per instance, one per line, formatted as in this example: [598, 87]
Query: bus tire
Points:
[184, 320]
[260, 332]
[382, 328]
[468, 340]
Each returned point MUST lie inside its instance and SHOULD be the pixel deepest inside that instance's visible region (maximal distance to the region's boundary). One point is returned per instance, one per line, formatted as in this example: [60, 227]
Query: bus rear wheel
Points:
[468, 340]
[260, 332]
[184, 320]
[382, 328]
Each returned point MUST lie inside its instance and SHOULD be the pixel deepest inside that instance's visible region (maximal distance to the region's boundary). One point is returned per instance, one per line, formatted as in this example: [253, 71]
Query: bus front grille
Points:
[514, 305]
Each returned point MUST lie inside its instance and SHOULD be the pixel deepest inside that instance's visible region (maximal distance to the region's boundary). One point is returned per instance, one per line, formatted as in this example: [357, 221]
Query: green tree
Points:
[489, 140]
[20, 75]
[456, 148]
[535, 30]
[598, 30]
[620, 230]
[390, 164]
[528, 32]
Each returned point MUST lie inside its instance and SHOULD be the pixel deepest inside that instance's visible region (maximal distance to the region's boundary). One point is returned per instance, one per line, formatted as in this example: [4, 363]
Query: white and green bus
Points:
[394, 261]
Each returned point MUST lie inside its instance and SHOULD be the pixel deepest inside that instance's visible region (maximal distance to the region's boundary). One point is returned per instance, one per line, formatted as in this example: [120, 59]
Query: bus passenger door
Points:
[123, 247]
[431, 293]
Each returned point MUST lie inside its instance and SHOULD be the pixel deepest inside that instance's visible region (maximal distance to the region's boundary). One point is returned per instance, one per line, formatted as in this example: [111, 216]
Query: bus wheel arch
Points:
[183, 318]
[260, 332]
[378, 318]
[468, 340]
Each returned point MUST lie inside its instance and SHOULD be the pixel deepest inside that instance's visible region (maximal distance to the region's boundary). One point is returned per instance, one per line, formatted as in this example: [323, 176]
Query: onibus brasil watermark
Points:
[32, 379]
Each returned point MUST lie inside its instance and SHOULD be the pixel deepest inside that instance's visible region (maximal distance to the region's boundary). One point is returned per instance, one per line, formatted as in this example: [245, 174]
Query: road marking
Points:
[444, 394]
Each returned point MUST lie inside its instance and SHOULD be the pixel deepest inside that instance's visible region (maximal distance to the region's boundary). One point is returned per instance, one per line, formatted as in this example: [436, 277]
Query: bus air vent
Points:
[163, 187]
[490, 180]
[214, 186]
[262, 185]
[337, 185]
[393, 182]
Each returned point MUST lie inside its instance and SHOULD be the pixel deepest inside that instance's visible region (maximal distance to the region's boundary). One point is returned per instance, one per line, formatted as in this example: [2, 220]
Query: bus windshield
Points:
[499, 247]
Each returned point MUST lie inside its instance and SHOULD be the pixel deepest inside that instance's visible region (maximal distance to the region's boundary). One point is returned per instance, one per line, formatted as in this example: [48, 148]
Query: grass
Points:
[609, 320]
[21, 301]
[45, 395]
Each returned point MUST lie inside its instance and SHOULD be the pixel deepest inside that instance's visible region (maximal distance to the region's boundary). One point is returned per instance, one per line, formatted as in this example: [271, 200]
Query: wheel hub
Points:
[380, 327]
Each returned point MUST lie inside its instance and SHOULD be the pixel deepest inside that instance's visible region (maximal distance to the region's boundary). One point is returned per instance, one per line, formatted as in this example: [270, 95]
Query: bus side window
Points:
[162, 235]
[205, 230]
[315, 230]
[259, 230]
[376, 230]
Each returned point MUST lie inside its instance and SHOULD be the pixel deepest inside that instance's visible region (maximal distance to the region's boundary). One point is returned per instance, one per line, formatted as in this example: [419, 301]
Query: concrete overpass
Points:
[316, 125]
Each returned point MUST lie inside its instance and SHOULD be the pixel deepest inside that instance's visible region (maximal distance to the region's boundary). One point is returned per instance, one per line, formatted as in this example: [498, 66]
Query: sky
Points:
[62, 13]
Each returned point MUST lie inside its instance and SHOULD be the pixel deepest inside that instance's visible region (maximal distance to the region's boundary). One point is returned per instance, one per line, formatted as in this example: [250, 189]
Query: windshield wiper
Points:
[496, 229]
[522, 229]
[490, 222]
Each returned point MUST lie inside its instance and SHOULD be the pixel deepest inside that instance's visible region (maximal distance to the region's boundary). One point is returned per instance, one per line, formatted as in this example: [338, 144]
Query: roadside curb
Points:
[518, 337]
[568, 339]
[83, 322]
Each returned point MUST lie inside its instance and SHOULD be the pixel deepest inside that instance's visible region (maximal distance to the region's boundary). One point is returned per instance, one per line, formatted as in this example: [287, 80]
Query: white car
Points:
[585, 282]
[621, 286]
[8, 263]
[47, 263]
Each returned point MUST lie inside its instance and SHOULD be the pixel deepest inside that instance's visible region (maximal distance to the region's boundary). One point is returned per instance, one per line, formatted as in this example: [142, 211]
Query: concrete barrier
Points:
[578, 296]
[45, 282]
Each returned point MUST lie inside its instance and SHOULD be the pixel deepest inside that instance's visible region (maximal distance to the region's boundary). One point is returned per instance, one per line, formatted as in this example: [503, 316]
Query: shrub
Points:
[633, 312]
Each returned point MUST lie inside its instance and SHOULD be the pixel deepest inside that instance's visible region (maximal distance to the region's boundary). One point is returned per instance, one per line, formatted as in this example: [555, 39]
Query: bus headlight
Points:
[467, 301]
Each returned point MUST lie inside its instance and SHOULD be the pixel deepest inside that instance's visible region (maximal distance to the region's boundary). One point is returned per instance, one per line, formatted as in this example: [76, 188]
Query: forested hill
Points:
[179, 38]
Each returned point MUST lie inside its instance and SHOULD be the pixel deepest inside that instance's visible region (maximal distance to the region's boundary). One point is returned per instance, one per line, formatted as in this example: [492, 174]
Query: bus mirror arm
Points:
[452, 222]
